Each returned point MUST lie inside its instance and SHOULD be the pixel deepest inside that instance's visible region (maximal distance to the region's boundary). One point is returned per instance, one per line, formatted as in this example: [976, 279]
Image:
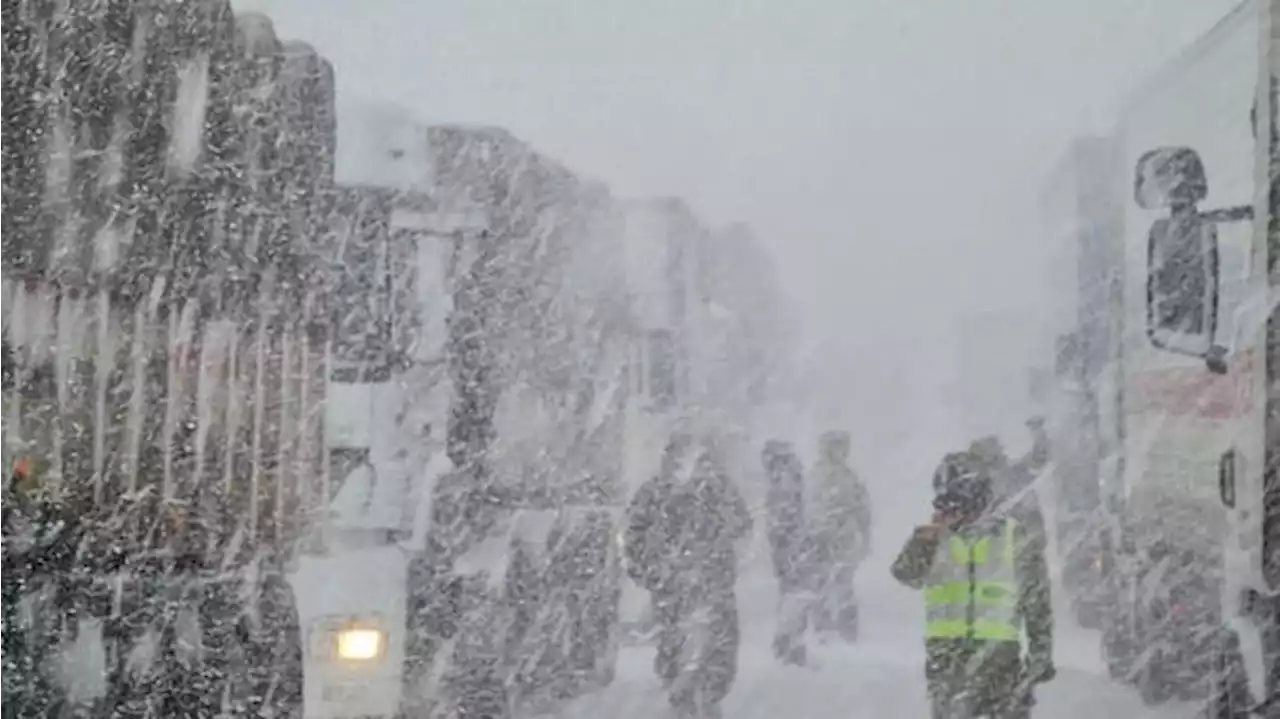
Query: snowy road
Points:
[880, 677]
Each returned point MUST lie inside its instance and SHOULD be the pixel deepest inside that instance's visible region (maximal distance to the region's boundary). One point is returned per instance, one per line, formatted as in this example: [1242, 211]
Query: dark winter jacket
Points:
[790, 537]
[842, 503]
[683, 528]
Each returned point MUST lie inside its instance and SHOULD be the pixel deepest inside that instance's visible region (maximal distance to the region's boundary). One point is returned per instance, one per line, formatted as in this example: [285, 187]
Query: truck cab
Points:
[1198, 497]
[1082, 216]
[387, 402]
[470, 499]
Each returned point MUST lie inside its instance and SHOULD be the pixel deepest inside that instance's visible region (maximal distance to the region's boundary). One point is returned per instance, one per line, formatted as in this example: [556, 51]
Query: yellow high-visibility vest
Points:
[972, 588]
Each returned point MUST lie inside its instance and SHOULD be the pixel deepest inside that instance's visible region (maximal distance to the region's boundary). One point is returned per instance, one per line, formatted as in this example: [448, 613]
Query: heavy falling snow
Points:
[479, 359]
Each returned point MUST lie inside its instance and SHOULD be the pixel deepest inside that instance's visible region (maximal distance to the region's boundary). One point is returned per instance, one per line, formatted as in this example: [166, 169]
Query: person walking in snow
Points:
[790, 548]
[842, 525]
[682, 528]
[985, 582]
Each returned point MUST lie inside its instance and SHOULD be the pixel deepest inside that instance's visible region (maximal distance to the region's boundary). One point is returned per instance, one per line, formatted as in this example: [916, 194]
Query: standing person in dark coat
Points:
[682, 528]
[842, 530]
[790, 547]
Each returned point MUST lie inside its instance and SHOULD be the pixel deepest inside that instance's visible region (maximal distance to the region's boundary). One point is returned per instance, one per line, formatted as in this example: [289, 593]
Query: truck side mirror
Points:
[1182, 255]
[1182, 285]
[1169, 177]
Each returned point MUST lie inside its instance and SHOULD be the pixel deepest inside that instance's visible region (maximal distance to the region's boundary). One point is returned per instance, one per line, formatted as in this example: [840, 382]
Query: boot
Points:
[683, 705]
[796, 656]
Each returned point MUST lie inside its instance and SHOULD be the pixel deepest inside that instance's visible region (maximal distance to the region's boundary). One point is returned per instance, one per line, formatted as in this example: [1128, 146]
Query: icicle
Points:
[235, 391]
[15, 431]
[206, 386]
[259, 414]
[171, 404]
[138, 394]
[304, 451]
[284, 435]
[106, 352]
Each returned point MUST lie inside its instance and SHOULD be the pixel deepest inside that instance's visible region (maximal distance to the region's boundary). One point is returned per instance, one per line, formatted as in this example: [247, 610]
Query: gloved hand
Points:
[930, 532]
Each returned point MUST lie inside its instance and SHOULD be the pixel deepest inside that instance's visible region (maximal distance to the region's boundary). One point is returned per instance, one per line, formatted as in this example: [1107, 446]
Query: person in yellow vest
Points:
[985, 583]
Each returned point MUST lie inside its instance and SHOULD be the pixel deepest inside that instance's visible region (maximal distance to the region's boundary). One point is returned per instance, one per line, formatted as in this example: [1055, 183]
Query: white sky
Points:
[888, 150]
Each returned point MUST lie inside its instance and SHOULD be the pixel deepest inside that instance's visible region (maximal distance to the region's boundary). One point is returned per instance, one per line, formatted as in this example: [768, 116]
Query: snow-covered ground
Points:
[883, 675]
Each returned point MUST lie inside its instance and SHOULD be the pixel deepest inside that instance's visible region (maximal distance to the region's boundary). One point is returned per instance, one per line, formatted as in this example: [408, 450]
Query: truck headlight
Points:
[360, 644]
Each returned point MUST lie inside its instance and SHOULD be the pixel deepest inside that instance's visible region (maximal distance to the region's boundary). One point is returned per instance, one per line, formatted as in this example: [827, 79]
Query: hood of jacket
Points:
[834, 447]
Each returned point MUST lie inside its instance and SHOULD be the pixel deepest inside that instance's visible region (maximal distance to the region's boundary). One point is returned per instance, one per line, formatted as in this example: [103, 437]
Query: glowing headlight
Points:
[360, 644]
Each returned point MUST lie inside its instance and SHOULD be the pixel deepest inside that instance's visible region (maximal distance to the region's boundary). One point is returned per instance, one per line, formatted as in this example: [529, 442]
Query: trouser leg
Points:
[1015, 705]
[942, 698]
[782, 629]
[826, 603]
[667, 618]
[721, 665]
[1000, 682]
[792, 623]
[846, 608]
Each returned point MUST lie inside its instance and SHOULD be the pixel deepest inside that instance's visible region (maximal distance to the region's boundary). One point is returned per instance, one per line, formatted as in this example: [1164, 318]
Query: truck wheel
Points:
[1229, 693]
[849, 624]
[1152, 687]
[609, 618]
[611, 636]
[1116, 656]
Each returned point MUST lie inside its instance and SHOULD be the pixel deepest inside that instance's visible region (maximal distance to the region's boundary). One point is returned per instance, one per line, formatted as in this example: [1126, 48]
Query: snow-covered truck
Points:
[1082, 218]
[162, 335]
[1192, 169]
[476, 393]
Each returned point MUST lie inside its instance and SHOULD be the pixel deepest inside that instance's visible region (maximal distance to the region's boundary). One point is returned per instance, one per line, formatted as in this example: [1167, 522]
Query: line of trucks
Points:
[1167, 400]
[312, 408]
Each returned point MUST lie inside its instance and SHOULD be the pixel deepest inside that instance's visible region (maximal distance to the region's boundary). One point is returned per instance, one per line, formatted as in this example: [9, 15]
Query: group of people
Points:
[819, 531]
[980, 564]
[683, 530]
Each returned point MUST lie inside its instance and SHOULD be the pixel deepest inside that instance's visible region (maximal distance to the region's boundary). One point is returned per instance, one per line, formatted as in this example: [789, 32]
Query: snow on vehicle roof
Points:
[1245, 12]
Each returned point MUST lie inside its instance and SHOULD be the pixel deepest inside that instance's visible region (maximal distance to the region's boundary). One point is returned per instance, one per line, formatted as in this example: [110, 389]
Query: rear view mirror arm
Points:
[1215, 358]
[1240, 213]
